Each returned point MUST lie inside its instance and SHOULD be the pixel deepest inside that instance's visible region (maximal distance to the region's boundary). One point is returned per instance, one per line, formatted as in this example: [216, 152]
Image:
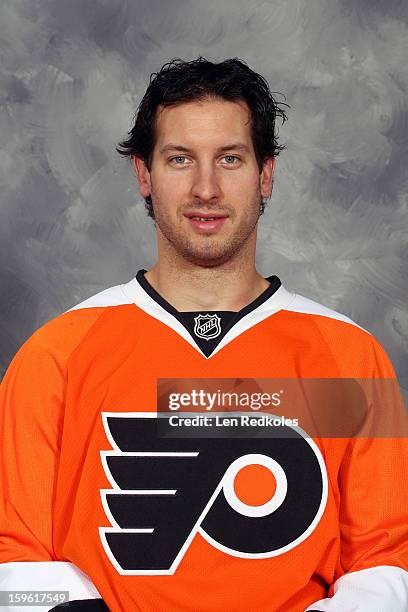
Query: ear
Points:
[142, 175]
[266, 178]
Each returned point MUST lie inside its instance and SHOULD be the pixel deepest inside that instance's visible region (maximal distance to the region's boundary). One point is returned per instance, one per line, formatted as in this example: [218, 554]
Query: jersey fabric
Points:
[95, 502]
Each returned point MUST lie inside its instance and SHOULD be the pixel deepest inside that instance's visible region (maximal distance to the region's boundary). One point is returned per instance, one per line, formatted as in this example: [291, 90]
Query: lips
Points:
[205, 215]
[208, 225]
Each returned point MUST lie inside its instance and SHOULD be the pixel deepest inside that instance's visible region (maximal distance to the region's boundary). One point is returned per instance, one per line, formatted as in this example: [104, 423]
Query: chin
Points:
[206, 260]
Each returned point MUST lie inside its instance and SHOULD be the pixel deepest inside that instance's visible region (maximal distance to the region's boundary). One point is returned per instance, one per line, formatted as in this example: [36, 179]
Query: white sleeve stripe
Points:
[377, 589]
[45, 576]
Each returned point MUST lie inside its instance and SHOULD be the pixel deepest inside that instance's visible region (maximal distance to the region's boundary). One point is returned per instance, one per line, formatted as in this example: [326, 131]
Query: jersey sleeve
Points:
[31, 418]
[373, 512]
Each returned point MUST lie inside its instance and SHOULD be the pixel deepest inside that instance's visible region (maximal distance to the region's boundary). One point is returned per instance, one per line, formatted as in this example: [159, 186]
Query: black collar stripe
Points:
[274, 298]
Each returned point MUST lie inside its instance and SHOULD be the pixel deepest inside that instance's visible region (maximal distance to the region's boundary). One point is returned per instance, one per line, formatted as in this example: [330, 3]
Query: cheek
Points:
[241, 186]
[168, 186]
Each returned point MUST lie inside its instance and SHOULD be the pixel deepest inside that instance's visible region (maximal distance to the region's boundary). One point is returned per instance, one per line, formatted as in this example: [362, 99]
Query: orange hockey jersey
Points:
[97, 499]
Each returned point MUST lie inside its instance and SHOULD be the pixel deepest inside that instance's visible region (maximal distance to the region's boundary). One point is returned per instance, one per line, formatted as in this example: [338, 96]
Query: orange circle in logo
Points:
[254, 485]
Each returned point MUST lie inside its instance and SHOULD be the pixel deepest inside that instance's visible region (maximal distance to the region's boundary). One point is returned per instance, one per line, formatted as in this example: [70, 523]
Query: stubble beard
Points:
[211, 250]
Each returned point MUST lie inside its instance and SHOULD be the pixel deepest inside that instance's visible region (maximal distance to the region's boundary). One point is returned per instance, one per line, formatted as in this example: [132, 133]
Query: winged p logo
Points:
[166, 490]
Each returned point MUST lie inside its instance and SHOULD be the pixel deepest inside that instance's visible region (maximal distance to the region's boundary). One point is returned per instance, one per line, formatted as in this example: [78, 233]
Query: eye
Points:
[177, 159]
[229, 158]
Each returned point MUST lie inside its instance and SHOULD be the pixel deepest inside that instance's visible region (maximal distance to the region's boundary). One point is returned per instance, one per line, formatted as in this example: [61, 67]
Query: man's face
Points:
[204, 164]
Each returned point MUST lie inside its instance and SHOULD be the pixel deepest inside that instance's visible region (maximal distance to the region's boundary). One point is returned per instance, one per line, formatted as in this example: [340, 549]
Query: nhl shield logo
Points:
[207, 326]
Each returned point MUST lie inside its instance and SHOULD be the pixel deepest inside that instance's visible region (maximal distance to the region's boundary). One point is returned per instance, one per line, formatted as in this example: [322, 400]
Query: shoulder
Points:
[306, 306]
[354, 347]
[38, 370]
[60, 336]
[112, 296]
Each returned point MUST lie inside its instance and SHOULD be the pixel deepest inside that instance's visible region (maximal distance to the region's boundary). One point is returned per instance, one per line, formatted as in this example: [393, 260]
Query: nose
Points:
[206, 185]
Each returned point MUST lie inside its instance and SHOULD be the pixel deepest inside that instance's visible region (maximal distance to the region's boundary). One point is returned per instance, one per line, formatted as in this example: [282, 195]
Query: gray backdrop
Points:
[72, 220]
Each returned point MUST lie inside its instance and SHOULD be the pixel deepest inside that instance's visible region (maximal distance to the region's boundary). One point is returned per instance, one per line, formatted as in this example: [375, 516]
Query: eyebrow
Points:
[236, 146]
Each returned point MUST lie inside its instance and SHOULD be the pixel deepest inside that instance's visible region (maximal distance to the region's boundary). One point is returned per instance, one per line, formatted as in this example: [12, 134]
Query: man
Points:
[109, 493]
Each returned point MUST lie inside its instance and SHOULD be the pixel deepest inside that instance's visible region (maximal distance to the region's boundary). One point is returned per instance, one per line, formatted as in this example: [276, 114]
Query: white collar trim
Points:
[279, 300]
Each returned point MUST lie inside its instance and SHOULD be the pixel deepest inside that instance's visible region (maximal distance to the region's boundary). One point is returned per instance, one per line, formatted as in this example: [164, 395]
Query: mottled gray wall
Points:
[72, 221]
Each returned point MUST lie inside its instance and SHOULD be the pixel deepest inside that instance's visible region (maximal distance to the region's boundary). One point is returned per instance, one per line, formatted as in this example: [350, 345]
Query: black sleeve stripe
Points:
[83, 605]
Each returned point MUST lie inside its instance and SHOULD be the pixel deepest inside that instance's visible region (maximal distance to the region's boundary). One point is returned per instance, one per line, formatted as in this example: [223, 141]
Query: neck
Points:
[190, 287]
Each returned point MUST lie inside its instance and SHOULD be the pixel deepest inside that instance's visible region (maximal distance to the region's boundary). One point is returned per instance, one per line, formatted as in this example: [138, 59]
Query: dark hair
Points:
[181, 81]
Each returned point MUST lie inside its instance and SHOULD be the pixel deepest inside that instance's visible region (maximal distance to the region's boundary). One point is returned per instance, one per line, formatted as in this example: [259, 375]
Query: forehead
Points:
[204, 122]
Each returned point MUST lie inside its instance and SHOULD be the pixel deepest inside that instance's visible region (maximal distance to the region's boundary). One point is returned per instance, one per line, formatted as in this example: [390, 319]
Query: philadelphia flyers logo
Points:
[166, 489]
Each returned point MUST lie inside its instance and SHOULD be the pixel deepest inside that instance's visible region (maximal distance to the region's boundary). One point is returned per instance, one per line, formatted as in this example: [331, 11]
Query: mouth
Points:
[204, 216]
[206, 221]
